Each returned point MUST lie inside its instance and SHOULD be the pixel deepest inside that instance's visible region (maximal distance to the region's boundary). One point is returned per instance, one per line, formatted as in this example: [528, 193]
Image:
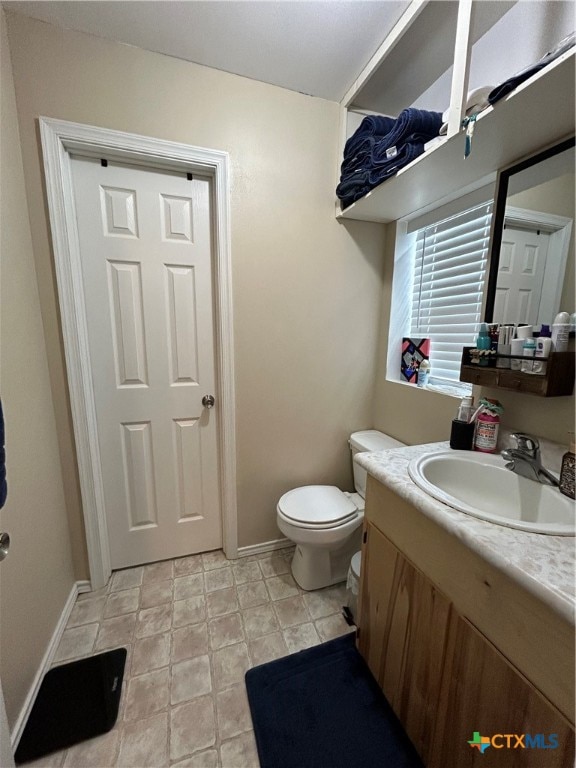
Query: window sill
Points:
[456, 390]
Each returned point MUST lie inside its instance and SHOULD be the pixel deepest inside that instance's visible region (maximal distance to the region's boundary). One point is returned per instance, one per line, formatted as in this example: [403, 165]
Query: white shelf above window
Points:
[538, 113]
[421, 56]
[432, 57]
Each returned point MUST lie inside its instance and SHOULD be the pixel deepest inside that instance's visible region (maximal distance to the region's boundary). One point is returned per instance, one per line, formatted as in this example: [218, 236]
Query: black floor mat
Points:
[76, 701]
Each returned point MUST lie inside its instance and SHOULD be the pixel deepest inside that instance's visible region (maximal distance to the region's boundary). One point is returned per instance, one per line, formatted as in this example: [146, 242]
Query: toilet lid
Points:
[317, 505]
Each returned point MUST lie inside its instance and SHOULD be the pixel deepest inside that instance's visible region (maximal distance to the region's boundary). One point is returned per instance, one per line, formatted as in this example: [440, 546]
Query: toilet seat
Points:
[317, 506]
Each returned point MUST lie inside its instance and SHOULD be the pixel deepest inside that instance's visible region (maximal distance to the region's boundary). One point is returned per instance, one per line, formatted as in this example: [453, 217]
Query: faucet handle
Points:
[526, 443]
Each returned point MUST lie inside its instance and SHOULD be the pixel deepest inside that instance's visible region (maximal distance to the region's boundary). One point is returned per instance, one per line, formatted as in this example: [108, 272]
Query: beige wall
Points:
[419, 416]
[306, 289]
[37, 577]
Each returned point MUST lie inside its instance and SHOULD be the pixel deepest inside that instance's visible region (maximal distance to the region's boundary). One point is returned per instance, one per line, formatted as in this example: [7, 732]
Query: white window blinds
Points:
[449, 271]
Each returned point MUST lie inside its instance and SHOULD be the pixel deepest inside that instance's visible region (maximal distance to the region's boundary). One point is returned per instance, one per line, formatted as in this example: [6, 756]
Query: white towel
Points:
[476, 101]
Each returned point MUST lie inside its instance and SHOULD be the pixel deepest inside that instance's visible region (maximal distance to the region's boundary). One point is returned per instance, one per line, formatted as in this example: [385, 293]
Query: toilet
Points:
[325, 523]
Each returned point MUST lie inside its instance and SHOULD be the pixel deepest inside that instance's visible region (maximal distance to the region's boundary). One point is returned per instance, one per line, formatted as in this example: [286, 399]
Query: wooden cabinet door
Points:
[482, 693]
[403, 628]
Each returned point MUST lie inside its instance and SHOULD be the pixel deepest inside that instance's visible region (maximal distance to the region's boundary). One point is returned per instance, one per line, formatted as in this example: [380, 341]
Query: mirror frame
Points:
[500, 212]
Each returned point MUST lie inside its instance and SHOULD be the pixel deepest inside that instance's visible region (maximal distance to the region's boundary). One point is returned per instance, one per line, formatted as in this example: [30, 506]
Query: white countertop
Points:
[542, 564]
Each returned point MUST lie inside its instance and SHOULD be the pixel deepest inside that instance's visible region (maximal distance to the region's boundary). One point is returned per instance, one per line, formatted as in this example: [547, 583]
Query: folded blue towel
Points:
[356, 185]
[362, 153]
[374, 151]
[370, 157]
[3, 485]
[386, 132]
[373, 125]
[419, 123]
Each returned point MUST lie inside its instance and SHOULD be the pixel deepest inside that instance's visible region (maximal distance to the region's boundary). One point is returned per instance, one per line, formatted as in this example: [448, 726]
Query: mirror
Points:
[532, 262]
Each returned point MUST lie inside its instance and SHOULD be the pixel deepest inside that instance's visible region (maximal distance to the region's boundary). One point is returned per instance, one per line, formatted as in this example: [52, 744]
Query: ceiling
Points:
[315, 47]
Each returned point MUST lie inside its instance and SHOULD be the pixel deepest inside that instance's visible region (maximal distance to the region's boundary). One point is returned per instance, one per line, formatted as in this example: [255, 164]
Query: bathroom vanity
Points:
[466, 625]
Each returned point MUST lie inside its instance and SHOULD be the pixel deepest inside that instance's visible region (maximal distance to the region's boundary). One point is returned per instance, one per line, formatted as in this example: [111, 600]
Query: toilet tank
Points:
[369, 440]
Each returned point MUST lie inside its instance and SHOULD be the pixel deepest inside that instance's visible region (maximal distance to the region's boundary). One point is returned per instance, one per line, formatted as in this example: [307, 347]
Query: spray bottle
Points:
[487, 419]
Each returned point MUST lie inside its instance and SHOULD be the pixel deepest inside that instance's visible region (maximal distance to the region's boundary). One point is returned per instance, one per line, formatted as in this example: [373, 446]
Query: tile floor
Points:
[192, 626]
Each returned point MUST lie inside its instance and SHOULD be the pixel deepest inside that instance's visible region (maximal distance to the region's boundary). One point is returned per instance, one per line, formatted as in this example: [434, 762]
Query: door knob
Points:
[208, 401]
[4, 545]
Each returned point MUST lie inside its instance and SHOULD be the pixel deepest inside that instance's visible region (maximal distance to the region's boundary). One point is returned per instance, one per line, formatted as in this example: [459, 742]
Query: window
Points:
[449, 259]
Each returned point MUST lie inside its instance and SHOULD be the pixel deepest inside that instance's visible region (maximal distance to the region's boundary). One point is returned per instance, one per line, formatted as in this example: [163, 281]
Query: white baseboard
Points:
[78, 586]
[83, 586]
[266, 546]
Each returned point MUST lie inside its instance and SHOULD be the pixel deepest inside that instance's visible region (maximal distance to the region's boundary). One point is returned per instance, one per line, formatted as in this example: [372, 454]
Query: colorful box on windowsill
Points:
[414, 351]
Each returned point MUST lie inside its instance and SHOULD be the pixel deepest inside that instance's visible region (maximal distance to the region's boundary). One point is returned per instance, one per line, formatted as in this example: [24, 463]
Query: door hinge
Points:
[365, 537]
[189, 176]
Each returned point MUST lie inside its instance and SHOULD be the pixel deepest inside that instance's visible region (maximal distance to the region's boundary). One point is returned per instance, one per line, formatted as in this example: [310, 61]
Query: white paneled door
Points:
[521, 269]
[146, 251]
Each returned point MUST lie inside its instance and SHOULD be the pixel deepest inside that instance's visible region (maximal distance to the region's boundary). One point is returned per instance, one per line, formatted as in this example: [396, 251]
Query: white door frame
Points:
[59, 139]
[6, 753]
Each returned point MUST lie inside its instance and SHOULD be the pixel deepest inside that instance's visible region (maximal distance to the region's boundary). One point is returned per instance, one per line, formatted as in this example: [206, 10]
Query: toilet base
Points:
[316, 568]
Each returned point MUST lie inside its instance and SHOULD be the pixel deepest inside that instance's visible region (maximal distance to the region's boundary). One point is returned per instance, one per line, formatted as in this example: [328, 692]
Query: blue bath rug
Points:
[321, 708]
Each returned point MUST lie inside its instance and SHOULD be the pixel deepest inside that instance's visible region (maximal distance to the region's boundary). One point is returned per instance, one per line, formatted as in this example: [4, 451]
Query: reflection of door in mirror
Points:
[532, 267]
[523, 256]
[525, 289]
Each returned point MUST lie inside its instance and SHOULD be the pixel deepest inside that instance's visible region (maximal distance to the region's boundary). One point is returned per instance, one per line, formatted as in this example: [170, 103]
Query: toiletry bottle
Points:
[560, 332]
[483, 342]
[423, 373]
[516, 349]
[524, 332]
[466, 409]
[487, 425]
[567, 473]
[543, 349]
[528, 351]
[504, 348]
[462, 431]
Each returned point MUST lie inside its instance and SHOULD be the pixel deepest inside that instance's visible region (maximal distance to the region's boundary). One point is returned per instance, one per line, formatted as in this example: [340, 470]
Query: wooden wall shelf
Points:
[558, 380]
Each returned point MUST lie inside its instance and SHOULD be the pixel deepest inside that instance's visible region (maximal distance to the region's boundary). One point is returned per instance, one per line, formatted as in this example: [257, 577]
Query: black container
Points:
[461, 435]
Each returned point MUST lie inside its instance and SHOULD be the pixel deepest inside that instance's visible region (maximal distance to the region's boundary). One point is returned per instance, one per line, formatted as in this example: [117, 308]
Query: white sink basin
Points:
[480, 485]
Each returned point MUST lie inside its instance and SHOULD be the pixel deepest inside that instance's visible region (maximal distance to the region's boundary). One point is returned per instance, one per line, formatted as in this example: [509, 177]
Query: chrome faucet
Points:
[525, 460]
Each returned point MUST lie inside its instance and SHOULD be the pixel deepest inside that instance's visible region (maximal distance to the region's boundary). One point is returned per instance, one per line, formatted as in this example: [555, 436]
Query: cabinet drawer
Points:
[522, 383]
